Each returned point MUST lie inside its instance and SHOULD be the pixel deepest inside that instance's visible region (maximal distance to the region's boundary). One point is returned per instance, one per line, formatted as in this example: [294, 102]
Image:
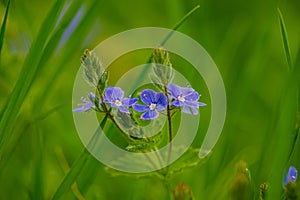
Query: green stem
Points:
[111, 117]
[168, 188]
[169, 127]
[178, 24]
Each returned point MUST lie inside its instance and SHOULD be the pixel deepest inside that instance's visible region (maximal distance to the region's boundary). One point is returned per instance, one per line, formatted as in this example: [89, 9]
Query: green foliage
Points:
[27, 75]
[39, 63]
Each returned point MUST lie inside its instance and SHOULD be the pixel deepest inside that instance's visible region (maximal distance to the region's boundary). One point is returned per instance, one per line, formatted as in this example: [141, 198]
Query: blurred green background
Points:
[40, 58]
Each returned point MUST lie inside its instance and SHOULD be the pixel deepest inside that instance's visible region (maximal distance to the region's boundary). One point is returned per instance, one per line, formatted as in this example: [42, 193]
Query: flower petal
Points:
[186, 91]
[87, 106]
[139, 108]
[190, 110]
[177, 91]
[113, 93]
[148, 96]
[150, 114]
[174, 90]
[161, 101]
[124, 109]
[192, 96]
[292, 174]
[92, 96]
[177, 103]
[129, 101]
[191, 103]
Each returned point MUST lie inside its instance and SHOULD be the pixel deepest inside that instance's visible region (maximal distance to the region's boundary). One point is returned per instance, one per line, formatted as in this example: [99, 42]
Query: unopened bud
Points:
[182, 192]
[92, 67]
[162, 67]
[241, 187]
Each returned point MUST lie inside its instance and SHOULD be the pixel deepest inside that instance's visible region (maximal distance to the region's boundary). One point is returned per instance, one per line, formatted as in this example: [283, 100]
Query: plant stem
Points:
[169, 126]
[168, 188]
[111, 117]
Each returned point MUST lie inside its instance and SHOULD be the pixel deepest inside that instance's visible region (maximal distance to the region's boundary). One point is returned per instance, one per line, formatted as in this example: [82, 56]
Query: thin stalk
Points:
[178, 24]
[169, 126]
[121, 130]
[111, 117]
[168, 188]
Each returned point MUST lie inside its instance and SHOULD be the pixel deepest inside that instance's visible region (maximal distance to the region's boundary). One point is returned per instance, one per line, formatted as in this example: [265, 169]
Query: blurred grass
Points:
[244, 39]
[3, 26]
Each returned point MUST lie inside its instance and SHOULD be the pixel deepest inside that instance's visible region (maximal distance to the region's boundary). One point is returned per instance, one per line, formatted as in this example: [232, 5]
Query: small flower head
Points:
[114, 98]
[87, 104]
[155, 102]
[290, 177]
[187, 98]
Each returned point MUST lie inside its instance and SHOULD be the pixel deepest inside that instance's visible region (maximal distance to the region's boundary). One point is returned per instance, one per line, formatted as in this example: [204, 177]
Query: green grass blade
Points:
[174, 28]
[55, 38]
[2, 31]
[79, 164]
[285, 40]
[178, 24]
[79, 34]
[285, 129]
[27, 74]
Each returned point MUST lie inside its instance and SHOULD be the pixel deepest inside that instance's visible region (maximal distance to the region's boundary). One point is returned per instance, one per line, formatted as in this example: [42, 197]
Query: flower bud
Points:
[182, 192]
[92, 67]
[241, 187]
[263, 188]
[162, 67]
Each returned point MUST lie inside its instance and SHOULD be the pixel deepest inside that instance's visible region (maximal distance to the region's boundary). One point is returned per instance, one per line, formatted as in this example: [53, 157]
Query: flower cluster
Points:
[154, 102]
[151, 103]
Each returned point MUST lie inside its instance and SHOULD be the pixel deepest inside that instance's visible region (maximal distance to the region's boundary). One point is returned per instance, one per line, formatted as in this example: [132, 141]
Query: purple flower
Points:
[87, 103]
[155, 102]
[290, 177]
[114, 98]
[187, 98]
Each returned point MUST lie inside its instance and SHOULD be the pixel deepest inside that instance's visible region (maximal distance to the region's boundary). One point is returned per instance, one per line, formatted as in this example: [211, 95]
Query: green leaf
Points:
[2, 31]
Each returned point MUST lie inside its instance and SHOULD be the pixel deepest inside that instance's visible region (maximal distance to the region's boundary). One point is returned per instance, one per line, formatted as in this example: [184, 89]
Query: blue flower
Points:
[155, 102]
[291, 176]
[187, 98]
[87, 103]
[114, 98]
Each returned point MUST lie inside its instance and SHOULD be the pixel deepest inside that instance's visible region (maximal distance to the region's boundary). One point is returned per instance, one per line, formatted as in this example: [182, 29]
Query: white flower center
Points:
[152, 106]
[180, 98]
[118, 103]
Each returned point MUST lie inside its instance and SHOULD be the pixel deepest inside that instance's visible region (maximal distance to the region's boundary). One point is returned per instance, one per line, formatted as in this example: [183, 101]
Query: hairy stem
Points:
[169, 126]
